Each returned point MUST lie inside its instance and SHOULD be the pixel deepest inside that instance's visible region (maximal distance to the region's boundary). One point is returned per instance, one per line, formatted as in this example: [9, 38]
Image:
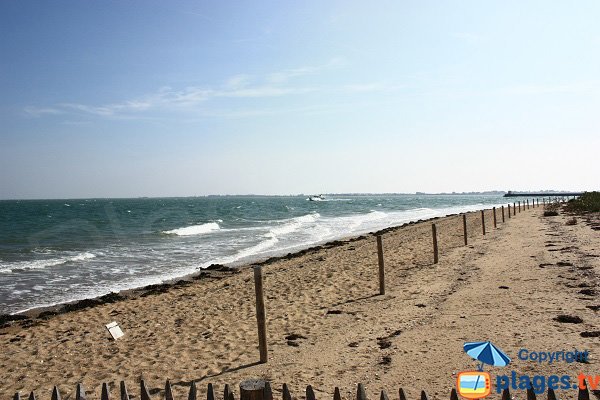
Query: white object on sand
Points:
[115, 330]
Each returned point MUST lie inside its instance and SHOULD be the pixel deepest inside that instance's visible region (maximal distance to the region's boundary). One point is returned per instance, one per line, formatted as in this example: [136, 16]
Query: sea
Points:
[55, 251]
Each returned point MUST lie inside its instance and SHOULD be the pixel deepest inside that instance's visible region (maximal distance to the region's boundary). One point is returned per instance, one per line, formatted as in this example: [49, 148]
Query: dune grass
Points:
[587, 202]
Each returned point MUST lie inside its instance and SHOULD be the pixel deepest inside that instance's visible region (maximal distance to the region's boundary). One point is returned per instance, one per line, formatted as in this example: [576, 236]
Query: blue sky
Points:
[143, 98]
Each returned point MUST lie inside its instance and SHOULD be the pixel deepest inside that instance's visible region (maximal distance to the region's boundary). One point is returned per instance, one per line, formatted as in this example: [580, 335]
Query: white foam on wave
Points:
[274, 235]
[41, 264]
[293, 224]
[194, 229]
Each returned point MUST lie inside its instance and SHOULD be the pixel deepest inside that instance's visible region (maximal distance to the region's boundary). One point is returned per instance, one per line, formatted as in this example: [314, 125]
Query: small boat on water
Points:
[318, 197]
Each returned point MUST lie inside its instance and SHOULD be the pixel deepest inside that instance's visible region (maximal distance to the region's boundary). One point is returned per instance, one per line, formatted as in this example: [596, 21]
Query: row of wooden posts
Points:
[258, 280]
[258, 389]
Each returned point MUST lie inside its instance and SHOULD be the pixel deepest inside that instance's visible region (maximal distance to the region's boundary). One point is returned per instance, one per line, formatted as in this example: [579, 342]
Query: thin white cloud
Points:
[33, 111]
[238, 81]
[285, 75]
[372, 87]
[572, 87]
[469, 37]
[237, 86]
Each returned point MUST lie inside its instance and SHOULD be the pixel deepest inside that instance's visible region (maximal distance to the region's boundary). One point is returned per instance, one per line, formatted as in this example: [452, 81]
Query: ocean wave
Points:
[293, 224]
[194, 229]
[41, 264]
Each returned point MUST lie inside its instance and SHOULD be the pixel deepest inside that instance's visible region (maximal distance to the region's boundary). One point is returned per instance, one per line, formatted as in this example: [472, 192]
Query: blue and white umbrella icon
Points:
[486, 353]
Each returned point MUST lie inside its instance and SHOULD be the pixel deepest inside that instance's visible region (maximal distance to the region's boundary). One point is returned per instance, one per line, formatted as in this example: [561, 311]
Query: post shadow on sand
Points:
[205, 377]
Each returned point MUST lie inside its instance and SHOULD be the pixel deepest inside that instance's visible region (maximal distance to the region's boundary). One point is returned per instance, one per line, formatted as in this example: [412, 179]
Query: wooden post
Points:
[465, 227]
[361, 393]
[193, 393]
[252, 389]
[435, 244]
[210, 391]
[528, 204]
[508, 210]
[381, 268]
[144, 393]
[286, 393]
[79, 392]
[502, 214]
[124, 394]
[483, 221]
[514, 209]
[168, 391]
[260, 314]
[519, 205]
[494, 210]
[104, 395]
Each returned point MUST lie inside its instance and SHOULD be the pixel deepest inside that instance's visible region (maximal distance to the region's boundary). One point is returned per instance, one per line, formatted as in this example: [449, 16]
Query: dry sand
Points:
[505, 287]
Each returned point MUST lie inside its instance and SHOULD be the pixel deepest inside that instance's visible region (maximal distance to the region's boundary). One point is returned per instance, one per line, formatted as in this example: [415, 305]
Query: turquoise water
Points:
[53, 251]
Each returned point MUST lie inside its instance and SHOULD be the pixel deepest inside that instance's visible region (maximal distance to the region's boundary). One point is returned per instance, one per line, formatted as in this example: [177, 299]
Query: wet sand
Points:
[327, 325]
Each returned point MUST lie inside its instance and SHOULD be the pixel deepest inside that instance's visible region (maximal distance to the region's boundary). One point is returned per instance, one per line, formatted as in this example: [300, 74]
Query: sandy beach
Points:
[327, 325]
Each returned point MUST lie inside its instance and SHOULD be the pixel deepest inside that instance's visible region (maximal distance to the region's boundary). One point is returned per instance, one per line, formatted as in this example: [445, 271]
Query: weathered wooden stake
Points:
[530, 394]
[514, 209]
[361, 394]
[483, 221]
[336, 394]
[56, 393]
[226, 392]
[435, 244]
[260, 314]
[105, 394]
[193, 394]
[381, 268]
[210, 391]
[252, 389]
[144, 394]
[168, 391]
[528, 204]
[310, 393]
[124, 394]
[465, 227]
[494, 210]
[519, 205]
[268, 392]
[286, 393]
[79, 392]
[502, 214]
[584, 393]
[508, 210]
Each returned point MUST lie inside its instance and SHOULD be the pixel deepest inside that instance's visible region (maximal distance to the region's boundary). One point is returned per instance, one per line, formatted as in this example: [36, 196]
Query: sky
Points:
[187, 98]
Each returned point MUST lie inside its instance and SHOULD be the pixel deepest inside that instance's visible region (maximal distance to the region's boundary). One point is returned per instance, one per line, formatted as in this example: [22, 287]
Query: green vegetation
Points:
[587, 202]
[551, 208]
